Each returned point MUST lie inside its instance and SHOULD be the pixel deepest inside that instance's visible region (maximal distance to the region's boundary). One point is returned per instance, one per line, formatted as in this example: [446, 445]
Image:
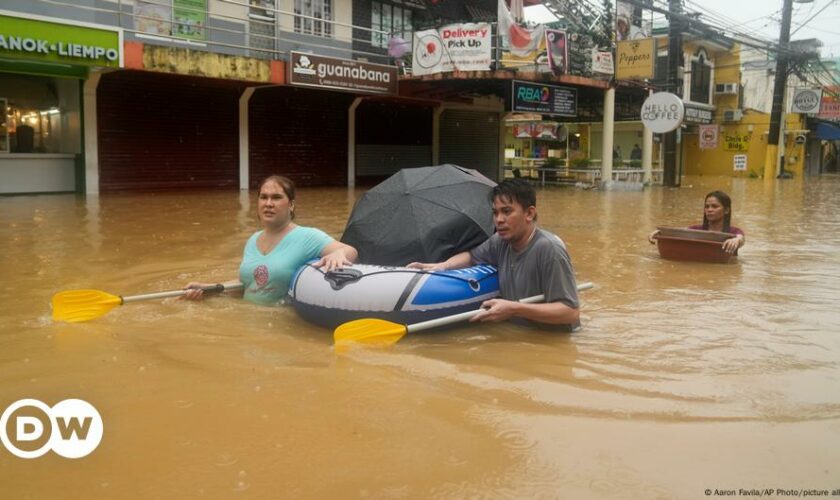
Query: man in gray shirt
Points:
[530, 262]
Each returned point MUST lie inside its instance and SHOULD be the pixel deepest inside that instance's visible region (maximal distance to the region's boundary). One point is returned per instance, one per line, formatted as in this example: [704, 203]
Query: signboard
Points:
[635, 59]
[736, 141]
[602, 62]
[806, 101]
[544, 99]
[739, 163]
[694, 114]
[310, 70]
[628, 22]
[152, 18]
[41, 39]
[456, 47]
[520, 46]
[830, 105]
[190, 19]
[708, 137]
[558, 51]
[662, 112]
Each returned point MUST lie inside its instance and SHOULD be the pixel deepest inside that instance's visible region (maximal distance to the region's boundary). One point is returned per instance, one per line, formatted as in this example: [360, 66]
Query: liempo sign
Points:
[44, 40]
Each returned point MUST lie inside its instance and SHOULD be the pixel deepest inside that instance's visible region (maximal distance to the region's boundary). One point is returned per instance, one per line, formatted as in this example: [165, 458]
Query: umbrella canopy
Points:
[424, 214]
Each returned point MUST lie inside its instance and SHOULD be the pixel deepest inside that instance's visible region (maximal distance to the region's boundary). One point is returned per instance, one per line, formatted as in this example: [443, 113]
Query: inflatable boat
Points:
[397, 294]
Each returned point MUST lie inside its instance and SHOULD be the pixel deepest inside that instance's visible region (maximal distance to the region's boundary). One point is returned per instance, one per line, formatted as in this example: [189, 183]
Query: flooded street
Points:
[685, 377]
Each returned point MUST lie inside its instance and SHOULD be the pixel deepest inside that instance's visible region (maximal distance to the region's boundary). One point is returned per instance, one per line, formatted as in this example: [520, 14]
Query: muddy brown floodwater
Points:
[686, 377]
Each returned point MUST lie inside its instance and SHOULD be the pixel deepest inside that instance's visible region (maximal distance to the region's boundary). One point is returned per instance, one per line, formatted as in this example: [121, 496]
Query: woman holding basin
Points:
[717, 214]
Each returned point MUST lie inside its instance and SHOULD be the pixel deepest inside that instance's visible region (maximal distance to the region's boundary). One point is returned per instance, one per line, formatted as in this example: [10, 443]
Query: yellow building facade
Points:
[742, 134]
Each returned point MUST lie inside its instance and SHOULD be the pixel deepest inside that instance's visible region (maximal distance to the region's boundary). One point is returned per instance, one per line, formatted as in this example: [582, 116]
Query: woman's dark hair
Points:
[288, 186]
[724, 200]
[515, 190]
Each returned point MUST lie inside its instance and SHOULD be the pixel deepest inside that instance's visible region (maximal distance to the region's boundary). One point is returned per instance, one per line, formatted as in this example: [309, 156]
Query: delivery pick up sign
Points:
[663, 112]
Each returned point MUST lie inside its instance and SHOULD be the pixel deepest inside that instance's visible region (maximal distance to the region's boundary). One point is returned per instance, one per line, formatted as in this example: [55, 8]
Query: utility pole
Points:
[670, 172]
[771, 158]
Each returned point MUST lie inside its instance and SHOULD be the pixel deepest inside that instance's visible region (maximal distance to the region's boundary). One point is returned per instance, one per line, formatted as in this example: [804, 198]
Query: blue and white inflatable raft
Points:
[397, 294]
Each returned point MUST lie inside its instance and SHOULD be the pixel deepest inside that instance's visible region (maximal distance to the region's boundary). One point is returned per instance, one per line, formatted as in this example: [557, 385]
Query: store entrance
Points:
[538, 148]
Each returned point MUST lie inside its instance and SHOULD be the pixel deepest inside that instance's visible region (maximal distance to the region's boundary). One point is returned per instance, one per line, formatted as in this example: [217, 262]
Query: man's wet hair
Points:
[515, 190]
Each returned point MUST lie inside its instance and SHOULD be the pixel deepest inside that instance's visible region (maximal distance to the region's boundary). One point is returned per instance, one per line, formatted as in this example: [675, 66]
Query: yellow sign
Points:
[635, 59]
[735, 141]
[209, 64]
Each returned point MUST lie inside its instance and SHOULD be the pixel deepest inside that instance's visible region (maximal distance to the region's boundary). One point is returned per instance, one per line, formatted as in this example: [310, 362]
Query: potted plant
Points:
[580, 162]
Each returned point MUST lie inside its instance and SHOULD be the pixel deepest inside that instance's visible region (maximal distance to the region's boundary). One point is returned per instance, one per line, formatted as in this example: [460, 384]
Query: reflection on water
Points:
[717, 374]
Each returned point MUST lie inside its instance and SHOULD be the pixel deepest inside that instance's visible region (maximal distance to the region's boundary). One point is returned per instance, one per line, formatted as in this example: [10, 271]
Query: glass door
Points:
[4, 126]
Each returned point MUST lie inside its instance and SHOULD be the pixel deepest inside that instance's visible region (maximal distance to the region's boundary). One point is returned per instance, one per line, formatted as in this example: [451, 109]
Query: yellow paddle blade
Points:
[75, 306]
[368, 331]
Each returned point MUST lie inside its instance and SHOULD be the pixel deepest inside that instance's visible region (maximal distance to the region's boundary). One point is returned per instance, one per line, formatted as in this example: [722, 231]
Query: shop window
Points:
[179, 18]
[261, 26]
[40, 115]
[391, 19]
[312, 17]
[700, 89]
[4, 127]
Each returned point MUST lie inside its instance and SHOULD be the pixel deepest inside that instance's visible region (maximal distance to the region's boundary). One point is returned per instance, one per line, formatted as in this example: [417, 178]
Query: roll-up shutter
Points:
[386, 159]
[158, 131]
[470, 139]
[390, 136]
[299, 133]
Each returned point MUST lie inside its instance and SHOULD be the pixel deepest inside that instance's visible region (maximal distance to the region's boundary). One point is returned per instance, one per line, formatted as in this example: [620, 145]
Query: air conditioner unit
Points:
[732, 115]
[726, 88]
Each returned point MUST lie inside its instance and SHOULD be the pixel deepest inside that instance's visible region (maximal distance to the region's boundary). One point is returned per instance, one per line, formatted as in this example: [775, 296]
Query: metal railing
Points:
[263, 31]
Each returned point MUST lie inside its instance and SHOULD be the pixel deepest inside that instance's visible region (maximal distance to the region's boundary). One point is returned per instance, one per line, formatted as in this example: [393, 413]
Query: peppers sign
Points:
[44, 40]
[663, 112]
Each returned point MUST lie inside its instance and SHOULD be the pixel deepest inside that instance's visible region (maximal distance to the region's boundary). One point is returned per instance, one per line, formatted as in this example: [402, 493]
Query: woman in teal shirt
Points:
[272, 255]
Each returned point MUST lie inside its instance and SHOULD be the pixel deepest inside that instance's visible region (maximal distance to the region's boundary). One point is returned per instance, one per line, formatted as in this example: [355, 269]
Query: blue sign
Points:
[542, 98]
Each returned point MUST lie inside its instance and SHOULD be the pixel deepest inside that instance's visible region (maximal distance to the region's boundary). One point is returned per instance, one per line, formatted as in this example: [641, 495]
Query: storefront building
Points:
[721, 135]
[44, 63]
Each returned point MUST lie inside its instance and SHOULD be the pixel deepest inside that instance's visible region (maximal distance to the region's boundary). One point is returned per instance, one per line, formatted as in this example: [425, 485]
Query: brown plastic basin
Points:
[692, 245]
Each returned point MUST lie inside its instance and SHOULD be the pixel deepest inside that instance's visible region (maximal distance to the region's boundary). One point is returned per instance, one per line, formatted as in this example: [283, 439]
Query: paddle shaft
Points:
[217, 288]
[455, 318]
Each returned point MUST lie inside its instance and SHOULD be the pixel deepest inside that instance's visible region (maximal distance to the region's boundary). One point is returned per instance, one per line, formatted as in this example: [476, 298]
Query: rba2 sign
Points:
[71, 428]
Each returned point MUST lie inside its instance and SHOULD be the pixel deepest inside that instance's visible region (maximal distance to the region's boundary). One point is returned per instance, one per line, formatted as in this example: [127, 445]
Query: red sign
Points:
[830, 106]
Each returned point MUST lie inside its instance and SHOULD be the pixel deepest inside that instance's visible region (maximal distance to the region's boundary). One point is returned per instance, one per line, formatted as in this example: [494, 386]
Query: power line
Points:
[827, 5]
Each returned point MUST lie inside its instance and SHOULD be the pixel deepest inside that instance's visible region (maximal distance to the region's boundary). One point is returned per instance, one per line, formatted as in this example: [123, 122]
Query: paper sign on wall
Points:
[708, 136]
[740, 163]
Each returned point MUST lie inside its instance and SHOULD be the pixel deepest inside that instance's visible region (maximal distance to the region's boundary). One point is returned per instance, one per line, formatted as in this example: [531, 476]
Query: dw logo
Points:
[71, 428]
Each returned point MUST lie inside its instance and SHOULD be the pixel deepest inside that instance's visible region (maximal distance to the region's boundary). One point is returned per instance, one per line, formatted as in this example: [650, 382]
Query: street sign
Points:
[663, 112]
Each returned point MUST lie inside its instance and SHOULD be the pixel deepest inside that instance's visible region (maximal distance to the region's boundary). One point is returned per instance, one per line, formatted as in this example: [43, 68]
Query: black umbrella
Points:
[424, 214]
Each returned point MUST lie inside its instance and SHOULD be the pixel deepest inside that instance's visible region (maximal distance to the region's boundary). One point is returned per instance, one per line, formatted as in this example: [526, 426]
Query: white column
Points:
[351, 142]
[647, 155]
[91, 137]
[500, 172]
[244, 145]
[607, 143]
[436, 135]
